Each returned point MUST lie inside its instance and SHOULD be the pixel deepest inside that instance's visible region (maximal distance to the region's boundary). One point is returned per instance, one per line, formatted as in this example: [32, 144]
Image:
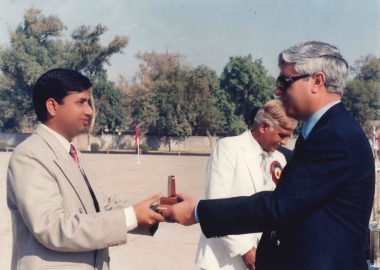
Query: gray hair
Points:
[262, 116]
[310, 57]
[273, 112]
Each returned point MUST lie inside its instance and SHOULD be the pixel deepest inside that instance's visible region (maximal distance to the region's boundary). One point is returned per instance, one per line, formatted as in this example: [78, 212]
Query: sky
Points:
[209, 32]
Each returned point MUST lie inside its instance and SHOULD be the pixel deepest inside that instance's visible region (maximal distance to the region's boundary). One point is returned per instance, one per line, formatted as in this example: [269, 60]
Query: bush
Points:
[94, 147]
[3, 144]
[144, 148]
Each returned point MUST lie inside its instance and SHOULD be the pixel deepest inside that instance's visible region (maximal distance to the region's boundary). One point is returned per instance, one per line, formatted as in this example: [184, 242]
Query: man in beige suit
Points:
[60, 217]
[235, 168]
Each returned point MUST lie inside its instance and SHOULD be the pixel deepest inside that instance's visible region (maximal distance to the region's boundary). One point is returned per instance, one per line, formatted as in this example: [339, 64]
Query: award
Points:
[172, 199]
[165, 202]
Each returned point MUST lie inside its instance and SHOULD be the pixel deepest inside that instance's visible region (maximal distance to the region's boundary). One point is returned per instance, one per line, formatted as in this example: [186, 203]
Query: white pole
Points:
[138, 150]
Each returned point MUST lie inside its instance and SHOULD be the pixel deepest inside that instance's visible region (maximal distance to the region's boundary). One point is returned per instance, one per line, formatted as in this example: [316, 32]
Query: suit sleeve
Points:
[219, 180]
[113, 202]
[306, 185]
[37, 197]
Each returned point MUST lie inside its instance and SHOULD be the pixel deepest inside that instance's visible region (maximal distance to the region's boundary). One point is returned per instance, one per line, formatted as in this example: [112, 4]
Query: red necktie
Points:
[74, 155]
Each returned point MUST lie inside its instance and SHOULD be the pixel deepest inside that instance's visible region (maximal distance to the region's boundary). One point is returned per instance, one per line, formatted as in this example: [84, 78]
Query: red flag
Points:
[137, 135]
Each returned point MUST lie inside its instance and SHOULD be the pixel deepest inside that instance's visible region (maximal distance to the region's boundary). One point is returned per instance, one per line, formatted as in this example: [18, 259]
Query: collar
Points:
[310, 123]
[256, 146]
[59, 137]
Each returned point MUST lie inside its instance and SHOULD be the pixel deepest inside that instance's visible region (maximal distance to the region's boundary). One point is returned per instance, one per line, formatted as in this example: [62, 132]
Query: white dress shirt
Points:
[130, 215]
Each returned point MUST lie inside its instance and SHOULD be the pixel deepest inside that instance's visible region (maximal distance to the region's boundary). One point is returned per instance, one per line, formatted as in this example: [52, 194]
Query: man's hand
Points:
[250, 258]
[182, 212]
[145, 216]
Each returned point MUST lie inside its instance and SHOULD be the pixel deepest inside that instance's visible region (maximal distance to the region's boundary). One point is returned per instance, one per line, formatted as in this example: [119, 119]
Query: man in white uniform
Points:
[241, 166]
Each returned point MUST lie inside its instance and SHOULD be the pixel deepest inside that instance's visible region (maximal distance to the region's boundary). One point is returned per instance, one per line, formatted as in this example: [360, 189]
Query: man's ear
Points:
[319, 80]
[264, 125]
[52, 106]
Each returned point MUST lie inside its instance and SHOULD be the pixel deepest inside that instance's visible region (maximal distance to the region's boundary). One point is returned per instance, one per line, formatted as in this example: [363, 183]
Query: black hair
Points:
[57, 84]
[252, 114]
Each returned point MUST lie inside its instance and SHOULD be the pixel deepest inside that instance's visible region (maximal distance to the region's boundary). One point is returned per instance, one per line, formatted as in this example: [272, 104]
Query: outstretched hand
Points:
[145, 216]
[182, 212]
[249, 258]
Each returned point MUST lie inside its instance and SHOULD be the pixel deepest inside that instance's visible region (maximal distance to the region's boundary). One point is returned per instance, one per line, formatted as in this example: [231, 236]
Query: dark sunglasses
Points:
[283, 82]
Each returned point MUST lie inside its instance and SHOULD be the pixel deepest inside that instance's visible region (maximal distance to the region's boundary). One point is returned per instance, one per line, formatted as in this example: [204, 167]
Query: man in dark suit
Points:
[321, 206]
[282, 149]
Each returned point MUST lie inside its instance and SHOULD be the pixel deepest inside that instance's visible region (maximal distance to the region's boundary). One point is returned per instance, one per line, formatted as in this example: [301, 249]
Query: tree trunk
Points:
[92, 122]
[210, 138]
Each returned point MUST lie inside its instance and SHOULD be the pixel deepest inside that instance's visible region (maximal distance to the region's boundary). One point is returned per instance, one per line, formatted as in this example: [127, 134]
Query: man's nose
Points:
[278, 91]
[284, 141]
[88, 110]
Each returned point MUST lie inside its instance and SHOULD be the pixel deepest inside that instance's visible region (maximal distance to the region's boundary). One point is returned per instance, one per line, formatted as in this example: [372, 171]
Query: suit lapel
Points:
[69, 168]
[252, 160]
[325, 118]
[91, 179]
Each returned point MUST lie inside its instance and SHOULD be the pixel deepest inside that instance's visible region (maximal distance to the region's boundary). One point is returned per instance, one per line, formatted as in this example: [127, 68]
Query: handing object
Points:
[172, 199]
[165, 202]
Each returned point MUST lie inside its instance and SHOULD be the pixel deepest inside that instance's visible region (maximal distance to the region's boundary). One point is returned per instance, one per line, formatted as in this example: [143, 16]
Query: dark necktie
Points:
[300, 140]
[74, 155]
[298, 148]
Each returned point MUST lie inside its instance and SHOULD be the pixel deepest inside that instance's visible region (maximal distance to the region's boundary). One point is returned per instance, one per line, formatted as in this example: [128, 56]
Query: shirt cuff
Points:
[130, 218]
[196, 212]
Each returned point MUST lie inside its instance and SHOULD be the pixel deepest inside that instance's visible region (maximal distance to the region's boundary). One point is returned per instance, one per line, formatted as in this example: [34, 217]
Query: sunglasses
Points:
[283, 82]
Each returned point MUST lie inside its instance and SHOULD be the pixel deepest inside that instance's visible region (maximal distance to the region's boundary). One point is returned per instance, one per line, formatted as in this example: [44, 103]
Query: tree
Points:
[247, 85]
[111, 113]
[89, 56]
[168, 97]
[202, 84]
[367, 68]
[361, 95]
[361, 98]
[156, 96]
[34, 49]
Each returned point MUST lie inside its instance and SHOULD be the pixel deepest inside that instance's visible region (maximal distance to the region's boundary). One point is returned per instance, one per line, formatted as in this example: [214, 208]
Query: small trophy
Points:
[172, 199]
[165, 202]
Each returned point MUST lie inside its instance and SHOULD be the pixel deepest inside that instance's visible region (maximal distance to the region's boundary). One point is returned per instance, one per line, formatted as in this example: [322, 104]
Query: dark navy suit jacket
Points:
[321, 206]
[286, 152]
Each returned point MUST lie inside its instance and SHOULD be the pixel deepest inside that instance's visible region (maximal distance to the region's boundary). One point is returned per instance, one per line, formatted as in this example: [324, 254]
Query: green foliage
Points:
[87, 54]
[3, 144]
[247, 85]
[108, 100]
[34, 49]
[144, 148]
[361, 95]
[157, 99]
[95, 147]
[367, 68]
[207, 117]
[362, 99]
[172, 111]
[170, 98]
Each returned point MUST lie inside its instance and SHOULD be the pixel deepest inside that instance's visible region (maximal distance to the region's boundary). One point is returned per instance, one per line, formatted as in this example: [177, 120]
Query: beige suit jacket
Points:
[233, 170]
[54, 221]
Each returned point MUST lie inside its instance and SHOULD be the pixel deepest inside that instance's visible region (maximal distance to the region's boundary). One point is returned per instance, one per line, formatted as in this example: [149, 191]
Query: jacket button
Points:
[81, 210]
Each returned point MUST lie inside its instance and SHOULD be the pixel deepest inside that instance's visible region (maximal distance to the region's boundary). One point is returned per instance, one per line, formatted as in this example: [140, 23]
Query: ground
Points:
[173, 246]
